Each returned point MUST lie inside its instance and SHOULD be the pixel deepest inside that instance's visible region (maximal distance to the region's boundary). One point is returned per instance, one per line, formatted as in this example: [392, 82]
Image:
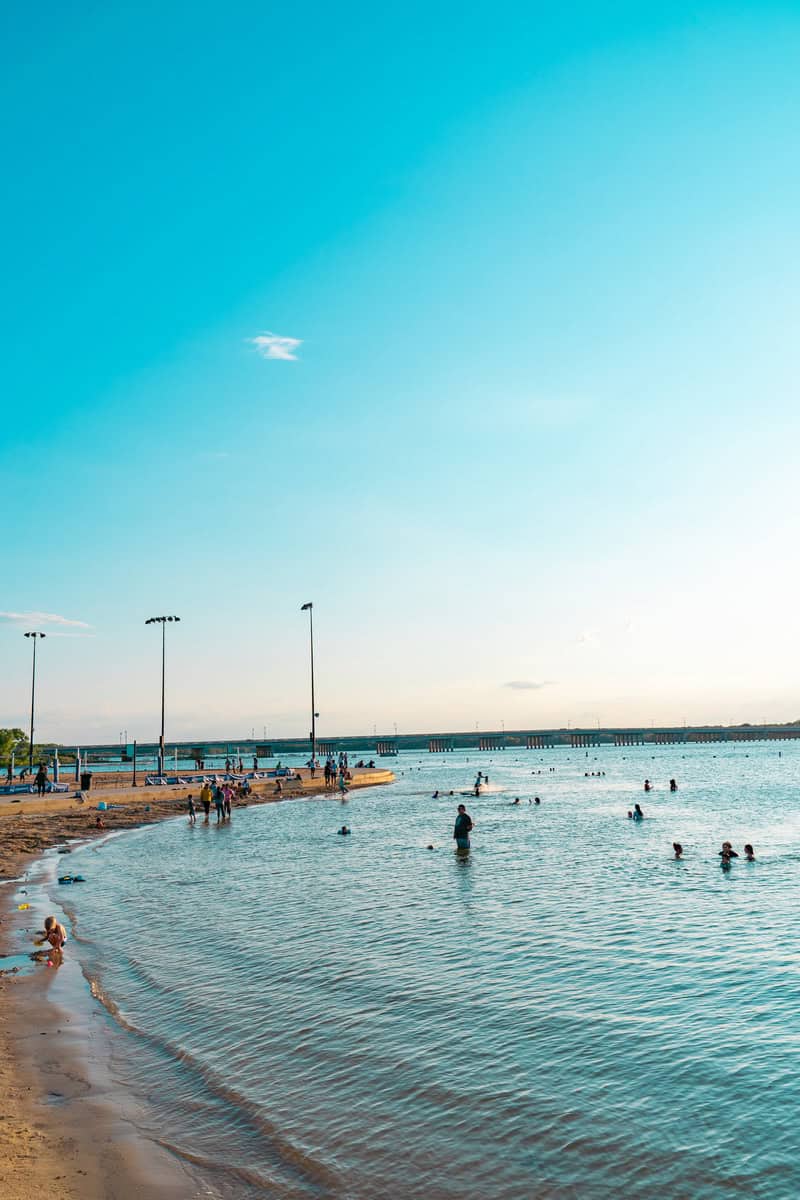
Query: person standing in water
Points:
[678, 848]
[462, 828]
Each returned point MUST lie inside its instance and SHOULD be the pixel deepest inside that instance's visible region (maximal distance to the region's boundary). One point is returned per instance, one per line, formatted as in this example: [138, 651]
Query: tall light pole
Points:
[162, 621]
[33, 696]
[314, 714]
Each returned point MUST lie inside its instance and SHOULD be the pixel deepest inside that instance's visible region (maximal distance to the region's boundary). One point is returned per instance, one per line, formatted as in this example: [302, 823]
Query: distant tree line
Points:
[15, 741]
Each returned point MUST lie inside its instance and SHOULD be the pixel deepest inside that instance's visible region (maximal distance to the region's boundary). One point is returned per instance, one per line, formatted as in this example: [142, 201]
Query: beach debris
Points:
[22, 907]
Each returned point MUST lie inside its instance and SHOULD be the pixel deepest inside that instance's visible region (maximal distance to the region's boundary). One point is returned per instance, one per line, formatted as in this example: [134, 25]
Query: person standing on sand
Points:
[41, 779]
[462, 828]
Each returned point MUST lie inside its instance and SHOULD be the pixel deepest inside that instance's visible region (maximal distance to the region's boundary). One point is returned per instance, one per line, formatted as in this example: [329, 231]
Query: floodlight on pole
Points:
[162, 621]
[34, 636]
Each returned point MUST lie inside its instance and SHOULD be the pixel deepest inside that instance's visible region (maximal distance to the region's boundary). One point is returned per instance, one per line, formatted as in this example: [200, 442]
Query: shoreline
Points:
[64, 1125]
[30, 825]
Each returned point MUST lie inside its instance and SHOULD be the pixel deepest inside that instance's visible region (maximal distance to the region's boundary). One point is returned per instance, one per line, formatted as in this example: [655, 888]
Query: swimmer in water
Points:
[727, 851]
[436, 795]
[516, 801]
[638, 815]
[749, 853]
[647, 785]
[678, 848]
[343, 832]
[673, 787]
[536, 800]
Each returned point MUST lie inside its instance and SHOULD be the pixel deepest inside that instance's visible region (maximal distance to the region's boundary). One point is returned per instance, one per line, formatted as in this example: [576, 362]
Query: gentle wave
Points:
[566, 1011]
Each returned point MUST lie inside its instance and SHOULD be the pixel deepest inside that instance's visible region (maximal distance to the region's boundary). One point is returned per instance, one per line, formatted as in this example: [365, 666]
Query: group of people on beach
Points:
[221, 796]
[40, 779]
[337, 774]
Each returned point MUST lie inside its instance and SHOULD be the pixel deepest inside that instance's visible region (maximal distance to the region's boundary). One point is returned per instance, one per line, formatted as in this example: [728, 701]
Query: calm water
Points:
[565, 1013]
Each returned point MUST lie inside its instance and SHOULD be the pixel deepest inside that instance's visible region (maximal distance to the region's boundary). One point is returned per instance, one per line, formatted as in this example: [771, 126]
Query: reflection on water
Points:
[564, 1010]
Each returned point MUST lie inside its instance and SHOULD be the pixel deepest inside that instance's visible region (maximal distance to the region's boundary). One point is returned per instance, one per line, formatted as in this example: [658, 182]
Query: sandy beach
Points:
[61, 1128]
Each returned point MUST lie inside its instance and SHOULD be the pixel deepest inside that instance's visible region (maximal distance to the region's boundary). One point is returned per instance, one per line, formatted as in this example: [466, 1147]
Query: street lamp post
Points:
[162, 621]
[314, 714]
[34, 636]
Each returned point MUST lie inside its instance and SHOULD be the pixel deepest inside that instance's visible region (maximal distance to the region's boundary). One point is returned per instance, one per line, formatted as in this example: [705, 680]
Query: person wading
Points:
[462, 828]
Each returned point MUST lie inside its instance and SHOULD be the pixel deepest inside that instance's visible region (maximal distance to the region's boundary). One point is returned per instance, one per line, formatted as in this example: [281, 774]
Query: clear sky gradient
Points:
[535, 422]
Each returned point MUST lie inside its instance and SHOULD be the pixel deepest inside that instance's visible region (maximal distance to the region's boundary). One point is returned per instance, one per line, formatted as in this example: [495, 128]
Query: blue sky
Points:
[539, 424]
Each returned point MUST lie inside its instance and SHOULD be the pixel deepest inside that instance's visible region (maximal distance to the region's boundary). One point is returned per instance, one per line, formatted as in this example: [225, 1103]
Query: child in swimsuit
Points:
[55, 934]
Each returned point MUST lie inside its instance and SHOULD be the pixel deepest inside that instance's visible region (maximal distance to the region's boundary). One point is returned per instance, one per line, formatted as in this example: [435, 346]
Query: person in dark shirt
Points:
[463, 828]
[727, 851]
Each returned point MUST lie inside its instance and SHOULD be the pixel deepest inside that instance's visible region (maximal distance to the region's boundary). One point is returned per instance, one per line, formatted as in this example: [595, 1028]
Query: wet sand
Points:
[62, 1125]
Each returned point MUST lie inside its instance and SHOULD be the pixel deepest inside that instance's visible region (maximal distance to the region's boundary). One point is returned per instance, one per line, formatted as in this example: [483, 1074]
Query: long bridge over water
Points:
[377, 745]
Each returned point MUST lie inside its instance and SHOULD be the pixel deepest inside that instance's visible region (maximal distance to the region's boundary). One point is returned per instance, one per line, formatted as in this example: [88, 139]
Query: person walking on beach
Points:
[41, 779]
[227, 796]
[462, 828]
[192, 809]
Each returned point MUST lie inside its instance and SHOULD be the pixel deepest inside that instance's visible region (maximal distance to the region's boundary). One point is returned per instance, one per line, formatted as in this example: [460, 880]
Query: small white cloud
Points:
[42, 618]
[588, 637]
[273, 345]
[528, 685]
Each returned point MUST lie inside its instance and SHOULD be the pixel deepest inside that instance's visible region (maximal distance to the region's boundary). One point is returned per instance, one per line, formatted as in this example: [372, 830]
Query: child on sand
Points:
[54, 933]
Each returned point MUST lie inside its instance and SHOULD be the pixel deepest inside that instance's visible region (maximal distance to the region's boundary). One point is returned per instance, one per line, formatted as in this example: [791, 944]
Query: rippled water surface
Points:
[565, 1012]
